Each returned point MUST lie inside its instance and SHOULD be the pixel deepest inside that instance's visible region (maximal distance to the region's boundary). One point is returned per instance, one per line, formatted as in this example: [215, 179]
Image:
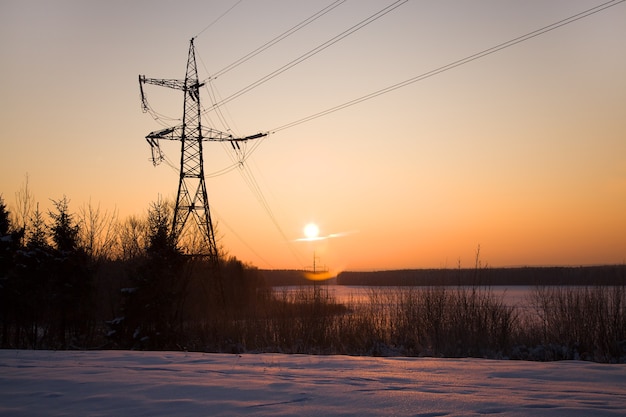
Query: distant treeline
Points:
[584, 275]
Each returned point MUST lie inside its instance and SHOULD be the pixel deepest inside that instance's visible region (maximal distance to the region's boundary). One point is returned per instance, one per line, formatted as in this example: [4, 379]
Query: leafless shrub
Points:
[24, 206]
[587, 322]
[132, 235]
[98, 231]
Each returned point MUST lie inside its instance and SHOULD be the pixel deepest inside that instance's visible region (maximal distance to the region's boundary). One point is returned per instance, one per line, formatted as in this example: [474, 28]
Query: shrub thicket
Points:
[581, 322]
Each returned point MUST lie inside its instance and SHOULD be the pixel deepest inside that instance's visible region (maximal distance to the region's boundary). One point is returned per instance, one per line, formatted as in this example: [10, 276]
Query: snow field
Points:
[123, 383]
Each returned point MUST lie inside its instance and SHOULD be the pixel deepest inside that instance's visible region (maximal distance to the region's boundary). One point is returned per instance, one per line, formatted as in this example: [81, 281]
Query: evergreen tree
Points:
[37, 236]
[72, 292]
[31, 285]
[9, 241]
[64, 229]
[152, 308]
[4, 218]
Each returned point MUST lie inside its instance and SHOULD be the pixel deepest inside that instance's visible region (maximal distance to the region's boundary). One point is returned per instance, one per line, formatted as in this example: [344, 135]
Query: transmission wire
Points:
[313, 52]
[457, 63]
[454, 64]
[250, 179]
[279, 38]
[252, 183]
[218, 18]
[237, 154]
[211, 91]
[250, 248]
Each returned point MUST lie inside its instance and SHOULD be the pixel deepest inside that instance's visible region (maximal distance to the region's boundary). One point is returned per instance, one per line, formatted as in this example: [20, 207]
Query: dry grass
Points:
[566, 323]
[584, 322]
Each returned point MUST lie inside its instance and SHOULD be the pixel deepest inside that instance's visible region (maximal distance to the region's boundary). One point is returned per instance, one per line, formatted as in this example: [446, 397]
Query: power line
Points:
[424, 76]
[210, 87]
[253, 185]
[454, 64]
[238, 156]
[313, 52]
[218, 18]
[250, 248]
[279, 38]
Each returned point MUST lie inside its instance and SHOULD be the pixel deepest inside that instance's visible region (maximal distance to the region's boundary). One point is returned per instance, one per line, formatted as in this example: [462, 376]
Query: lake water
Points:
[347, 294]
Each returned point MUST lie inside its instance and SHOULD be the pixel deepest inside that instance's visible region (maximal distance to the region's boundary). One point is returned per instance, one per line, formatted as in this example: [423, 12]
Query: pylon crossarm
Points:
[217, 136]
[208, 134]
[163, 82]
[251, 137]
[170, 133]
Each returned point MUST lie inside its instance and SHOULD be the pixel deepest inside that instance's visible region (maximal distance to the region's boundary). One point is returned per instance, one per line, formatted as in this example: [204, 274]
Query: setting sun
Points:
[311, 231]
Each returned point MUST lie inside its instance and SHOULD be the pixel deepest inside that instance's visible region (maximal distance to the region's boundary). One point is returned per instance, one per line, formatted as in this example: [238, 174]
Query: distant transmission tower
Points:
[191, 200]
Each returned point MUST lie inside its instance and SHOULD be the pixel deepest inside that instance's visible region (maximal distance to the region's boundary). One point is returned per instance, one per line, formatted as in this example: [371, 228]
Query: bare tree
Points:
[98, 231]
[25, 203]
[132, 237]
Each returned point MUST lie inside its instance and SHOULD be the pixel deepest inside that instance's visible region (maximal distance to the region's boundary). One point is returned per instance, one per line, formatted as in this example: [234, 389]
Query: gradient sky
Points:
[522, 152]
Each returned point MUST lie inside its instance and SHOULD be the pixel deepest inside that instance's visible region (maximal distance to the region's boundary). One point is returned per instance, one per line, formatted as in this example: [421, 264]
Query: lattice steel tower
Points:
[191, 199]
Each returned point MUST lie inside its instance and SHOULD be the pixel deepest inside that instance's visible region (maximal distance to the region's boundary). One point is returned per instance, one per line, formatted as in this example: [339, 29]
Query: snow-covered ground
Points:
[121, 383]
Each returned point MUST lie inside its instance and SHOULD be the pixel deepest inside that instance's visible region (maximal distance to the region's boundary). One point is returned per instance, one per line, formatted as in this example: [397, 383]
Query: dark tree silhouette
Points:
[64, 229]
[9, 244]
[72, 280]
[153, 305]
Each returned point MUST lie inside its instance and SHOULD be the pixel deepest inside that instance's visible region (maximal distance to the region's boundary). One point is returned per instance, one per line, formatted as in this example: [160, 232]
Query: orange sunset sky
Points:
[522, 152]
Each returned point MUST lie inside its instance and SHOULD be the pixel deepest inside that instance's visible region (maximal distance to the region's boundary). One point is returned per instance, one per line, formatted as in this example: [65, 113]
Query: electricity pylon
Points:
[191, 199]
